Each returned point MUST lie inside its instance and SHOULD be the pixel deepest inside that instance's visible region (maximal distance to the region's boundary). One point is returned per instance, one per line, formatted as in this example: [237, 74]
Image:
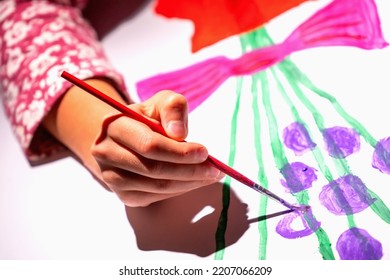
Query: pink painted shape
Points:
[341, 23]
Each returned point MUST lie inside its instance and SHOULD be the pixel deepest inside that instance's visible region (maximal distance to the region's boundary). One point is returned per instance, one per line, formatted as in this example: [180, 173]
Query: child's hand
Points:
[142, 166]
[138, 164]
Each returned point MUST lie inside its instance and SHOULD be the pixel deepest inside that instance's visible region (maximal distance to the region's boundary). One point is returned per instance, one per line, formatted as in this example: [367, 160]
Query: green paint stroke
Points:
[262, 225]
[288, 66]
[324, 244]
[290, 69]
[222, 222]
[341, 164]
[325, 247]
[276, 145]
[379, 207]
[223, 218]
[342, 168]
[316, 151]
[294, 76]
[249, 41]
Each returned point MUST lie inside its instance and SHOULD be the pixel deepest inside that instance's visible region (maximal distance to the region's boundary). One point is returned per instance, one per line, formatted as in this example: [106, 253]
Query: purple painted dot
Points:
[341, 142]
[298, 176]
[296, 137]
[346, 195]
[358, 244]
[381, 156]
[309, 224]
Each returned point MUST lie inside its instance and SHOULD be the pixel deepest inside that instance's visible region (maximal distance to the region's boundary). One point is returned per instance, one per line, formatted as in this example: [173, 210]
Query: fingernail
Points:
[176, 127]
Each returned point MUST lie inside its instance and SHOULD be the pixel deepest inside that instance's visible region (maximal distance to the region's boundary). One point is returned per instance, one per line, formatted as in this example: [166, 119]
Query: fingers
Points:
[108, 153]
[171, 110]
[135, 190]
[120, 180]
[140, 139]
[142, 166]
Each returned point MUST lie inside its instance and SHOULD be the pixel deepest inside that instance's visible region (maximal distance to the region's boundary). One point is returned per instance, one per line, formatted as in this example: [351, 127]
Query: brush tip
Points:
[302, 209]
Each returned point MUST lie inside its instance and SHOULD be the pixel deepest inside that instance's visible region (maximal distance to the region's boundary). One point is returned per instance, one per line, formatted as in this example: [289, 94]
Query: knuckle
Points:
[99, 151]
[156, 169]
[147, 144]
[163, 186]
[112, 178]
[193, 172]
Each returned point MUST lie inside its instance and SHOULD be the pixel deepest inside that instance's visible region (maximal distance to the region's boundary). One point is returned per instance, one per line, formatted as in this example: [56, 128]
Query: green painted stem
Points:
[223, 218]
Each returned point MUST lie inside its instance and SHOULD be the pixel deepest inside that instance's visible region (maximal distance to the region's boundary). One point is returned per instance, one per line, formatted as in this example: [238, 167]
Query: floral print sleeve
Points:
[39, 39]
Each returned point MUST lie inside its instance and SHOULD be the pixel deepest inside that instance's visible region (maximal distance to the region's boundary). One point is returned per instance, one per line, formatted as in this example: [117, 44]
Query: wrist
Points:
[76, 120]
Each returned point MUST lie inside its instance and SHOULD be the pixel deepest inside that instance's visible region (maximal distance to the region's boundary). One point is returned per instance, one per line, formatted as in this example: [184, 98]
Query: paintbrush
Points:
[159, 129]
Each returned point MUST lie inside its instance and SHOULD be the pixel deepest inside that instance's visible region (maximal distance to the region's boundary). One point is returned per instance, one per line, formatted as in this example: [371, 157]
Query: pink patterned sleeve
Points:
[39, 39]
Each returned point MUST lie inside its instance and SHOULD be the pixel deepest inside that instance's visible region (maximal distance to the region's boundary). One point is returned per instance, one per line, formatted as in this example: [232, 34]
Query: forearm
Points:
[76, 119]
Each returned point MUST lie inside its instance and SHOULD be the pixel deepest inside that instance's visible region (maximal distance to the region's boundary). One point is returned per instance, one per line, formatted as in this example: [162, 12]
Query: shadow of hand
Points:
[177, 224]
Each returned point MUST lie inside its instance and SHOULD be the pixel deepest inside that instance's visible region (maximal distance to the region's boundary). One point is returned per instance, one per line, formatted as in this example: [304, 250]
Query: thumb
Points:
[174, 115]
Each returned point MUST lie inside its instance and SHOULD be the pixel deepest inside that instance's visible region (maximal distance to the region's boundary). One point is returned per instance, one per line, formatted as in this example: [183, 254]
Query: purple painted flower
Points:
[381, 156]
[309, 223]
[346, 195]
[296, 137]
[298, 176]
[341, 142]
[358, 244]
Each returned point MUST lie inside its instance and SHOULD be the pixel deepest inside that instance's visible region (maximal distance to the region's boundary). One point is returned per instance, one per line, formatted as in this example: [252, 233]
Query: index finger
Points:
[139, 138]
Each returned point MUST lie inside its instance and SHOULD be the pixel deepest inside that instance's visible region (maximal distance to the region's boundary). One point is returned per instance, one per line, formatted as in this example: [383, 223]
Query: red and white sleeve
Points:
[38, 40]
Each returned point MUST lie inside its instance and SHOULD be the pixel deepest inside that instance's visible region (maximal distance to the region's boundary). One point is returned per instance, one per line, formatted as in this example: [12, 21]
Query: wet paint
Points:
[358, 244]
[381, 156]
[298, 176]
[308, 223]
[296, 138]
[346, 195]
[341, 142]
